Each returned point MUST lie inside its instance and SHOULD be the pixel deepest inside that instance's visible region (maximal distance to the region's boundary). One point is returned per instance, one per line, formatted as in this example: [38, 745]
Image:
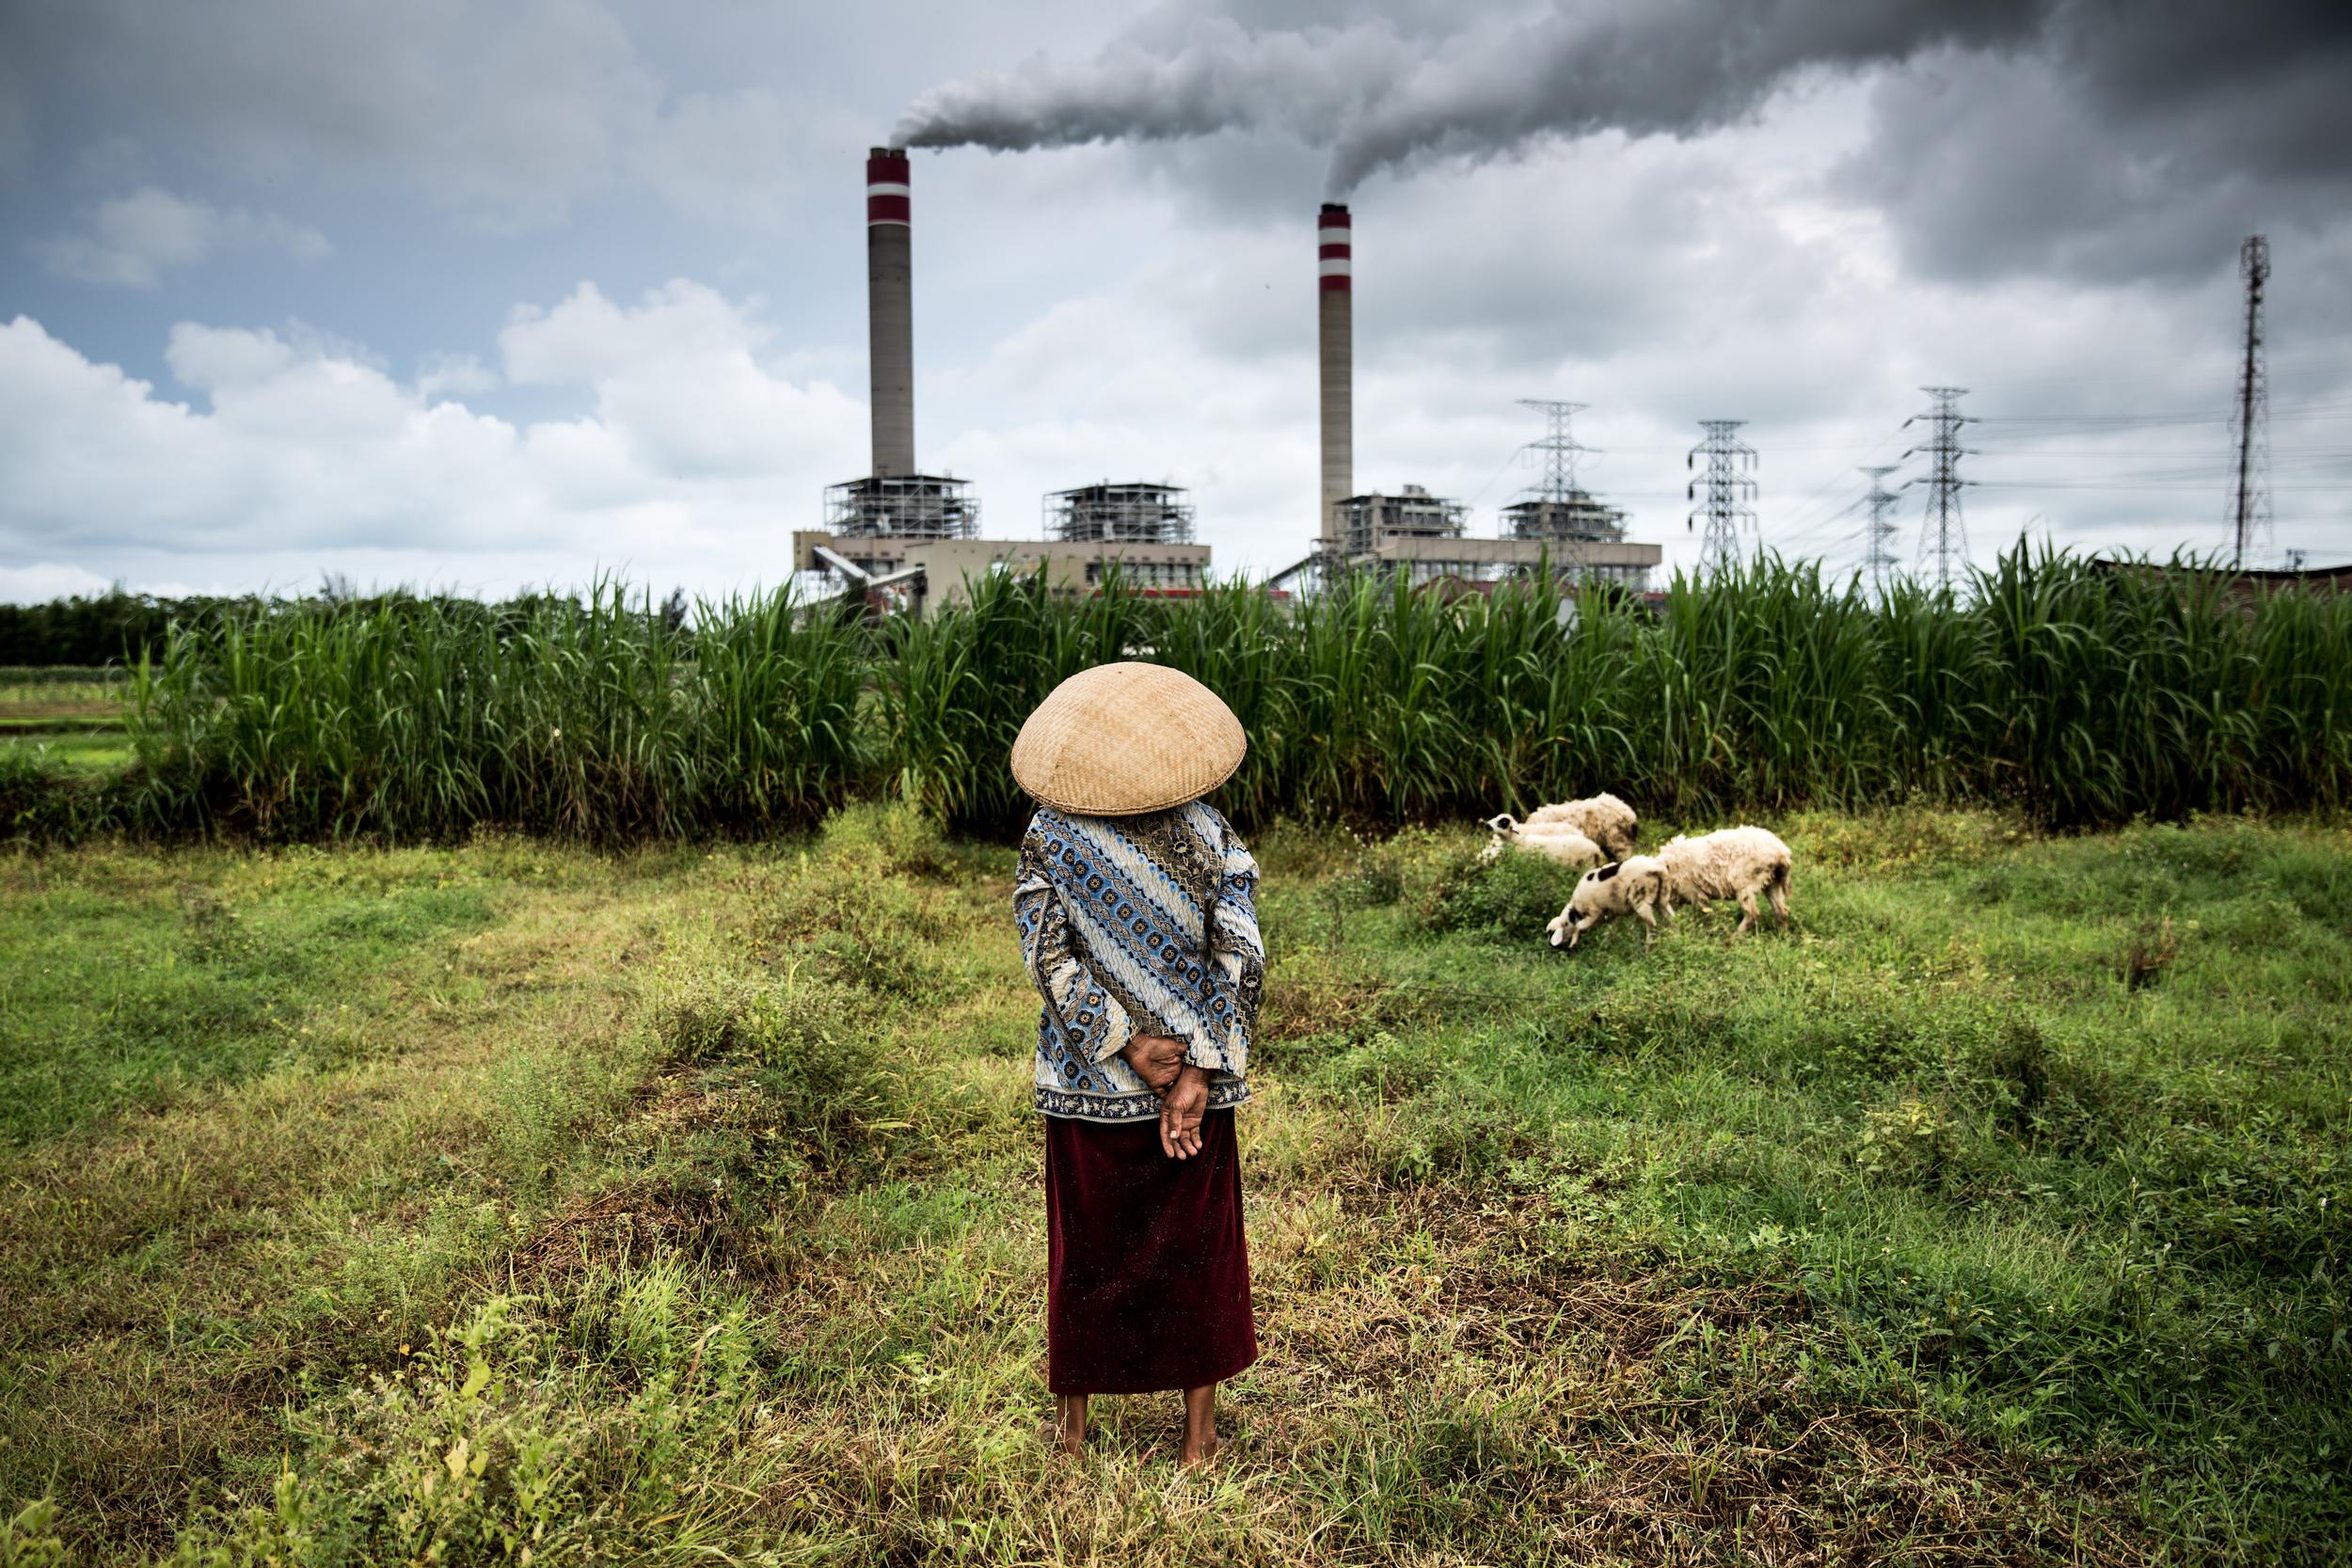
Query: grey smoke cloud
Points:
[1382, 94]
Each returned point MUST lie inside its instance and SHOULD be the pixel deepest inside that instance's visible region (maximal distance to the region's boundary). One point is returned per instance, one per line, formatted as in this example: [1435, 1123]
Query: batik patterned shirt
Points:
[1137, 925]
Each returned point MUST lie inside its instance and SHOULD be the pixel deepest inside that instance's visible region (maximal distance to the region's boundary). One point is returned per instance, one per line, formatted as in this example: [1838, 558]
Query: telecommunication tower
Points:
[1728, 462]
[1880, 531]
[1942, 531]
[2249, 415]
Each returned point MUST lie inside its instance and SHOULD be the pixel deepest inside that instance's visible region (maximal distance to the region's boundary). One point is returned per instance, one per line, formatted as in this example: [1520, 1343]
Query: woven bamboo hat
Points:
[1123, 739]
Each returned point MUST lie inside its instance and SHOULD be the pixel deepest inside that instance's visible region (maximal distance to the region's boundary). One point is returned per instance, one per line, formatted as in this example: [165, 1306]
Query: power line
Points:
[1729, 460]
[1943, 527]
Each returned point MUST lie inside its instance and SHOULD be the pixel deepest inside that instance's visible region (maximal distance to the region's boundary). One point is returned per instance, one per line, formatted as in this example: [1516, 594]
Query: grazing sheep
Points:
[1605, 819]
[1733, 863]
[1555, 840]
[1634, 886]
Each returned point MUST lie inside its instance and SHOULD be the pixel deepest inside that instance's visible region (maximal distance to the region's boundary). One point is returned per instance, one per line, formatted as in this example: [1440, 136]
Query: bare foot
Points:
[1200, 1427]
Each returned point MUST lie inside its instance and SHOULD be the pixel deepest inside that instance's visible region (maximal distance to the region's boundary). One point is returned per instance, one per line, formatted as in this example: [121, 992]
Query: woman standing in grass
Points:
[1135, 904]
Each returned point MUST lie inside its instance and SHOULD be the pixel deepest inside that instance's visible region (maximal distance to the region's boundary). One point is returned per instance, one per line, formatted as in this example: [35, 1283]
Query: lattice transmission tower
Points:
[1880, 560]
[1729, 461]
[1942, 531]
[2250, 413]
[1559, 449]
[1556, 454]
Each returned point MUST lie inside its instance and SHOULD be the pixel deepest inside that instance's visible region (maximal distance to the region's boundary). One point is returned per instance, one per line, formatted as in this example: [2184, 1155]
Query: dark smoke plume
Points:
[1379, 96]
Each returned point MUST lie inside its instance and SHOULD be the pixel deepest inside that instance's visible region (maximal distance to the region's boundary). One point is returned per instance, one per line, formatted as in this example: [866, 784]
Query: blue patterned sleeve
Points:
[1236, 963]
[1085, 1018]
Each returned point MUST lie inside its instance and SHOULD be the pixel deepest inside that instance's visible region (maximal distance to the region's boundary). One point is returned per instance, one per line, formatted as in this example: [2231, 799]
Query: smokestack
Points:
[890, 311]
[1336, 353]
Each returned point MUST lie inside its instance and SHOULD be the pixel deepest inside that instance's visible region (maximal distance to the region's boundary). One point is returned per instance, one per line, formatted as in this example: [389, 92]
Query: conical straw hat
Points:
[1123, 738]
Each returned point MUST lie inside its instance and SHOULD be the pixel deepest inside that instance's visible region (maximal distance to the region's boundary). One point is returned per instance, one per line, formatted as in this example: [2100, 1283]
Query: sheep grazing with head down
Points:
[1554, 840]
[1605, 819]
[1740, 862]
[1634, 886]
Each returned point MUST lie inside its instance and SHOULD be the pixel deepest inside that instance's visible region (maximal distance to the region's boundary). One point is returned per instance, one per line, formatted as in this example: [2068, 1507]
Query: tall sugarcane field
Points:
[2069, 693]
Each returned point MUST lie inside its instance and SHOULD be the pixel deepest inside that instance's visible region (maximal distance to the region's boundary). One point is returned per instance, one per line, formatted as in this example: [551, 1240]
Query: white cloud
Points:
[455, 376]
[299, 455]
[41, 580]
[132, 240]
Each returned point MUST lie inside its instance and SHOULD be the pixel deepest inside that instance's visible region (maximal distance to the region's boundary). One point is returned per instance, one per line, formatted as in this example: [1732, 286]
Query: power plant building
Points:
[1584, 538]
[1411, 532]
[911, 540]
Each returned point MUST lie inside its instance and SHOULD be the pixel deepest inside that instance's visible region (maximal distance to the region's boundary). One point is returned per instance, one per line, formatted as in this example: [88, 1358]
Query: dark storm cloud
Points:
[505, 110]
[2103, 109]
[2138, 147]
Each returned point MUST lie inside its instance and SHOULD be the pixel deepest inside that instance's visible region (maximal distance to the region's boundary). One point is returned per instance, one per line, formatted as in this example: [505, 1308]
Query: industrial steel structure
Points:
[1729, 460]
[1879, 560]
[1130, 514]
[1368, 521]
[904, 539]
[2250, 413]
[1944, 532]
[1412, 533]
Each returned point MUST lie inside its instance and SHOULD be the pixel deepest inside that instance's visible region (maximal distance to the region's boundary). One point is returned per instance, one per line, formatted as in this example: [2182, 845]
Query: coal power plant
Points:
[1421, 536]
[908, 540]
[905, 539]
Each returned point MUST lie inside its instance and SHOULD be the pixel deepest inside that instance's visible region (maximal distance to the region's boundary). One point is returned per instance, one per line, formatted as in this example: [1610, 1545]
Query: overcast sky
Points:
[475, 295]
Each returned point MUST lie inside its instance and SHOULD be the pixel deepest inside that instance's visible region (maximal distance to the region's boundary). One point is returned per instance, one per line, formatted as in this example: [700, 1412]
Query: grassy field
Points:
[72, 719]
[368, 1206]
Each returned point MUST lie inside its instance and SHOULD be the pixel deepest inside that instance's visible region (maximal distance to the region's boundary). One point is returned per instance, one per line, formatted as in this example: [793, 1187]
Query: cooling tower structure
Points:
[1335, 354]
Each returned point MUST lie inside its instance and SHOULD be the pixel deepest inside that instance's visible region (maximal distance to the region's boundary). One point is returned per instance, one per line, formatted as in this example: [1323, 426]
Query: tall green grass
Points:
[404, 719]
[2080, 694]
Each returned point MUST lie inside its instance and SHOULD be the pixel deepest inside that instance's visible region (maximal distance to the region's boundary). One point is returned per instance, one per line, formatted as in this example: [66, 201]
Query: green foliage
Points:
[2082, 694]
[631, 1222]
[413, 719]
[528, 1437]
[831, 1098]
[128, 984]
[1911, 1141]
[26, 1540]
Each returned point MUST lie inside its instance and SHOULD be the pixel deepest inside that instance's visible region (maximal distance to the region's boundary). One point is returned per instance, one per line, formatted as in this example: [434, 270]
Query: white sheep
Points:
[1605, 819]
[1635, 886]
[1554, 840]
[1735, 862]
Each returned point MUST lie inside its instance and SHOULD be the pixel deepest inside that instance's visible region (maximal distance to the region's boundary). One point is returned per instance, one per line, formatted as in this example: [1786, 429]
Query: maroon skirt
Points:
[1147, 1273]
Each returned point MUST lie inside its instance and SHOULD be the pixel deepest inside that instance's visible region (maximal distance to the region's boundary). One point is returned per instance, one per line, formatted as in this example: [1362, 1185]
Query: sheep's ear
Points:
[1604, 873]
[1555, 933]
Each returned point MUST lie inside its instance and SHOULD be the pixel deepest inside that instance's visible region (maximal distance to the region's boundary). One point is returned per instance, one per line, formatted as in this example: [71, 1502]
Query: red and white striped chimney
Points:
[890, 311]
[1336, 354]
